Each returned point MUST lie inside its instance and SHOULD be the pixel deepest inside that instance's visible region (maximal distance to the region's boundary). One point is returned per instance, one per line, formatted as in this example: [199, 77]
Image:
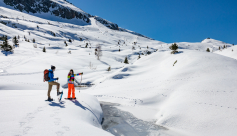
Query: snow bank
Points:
[24, 112]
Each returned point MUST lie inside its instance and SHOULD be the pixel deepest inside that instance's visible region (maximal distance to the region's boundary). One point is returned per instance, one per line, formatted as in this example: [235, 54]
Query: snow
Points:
[24, 112]
[229, 52]
[66, 4]
[194, 97]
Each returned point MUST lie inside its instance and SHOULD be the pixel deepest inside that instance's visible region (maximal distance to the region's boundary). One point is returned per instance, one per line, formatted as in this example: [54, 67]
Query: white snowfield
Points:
[24, 112]
[196, 96]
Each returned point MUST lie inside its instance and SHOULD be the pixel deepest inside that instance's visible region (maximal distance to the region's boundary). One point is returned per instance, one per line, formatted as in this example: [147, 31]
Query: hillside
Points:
[228, 52]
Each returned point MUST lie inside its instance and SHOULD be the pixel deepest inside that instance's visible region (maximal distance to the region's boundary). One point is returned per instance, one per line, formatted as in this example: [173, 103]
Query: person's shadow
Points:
[77, 103]
[6, 53]
[54, 104]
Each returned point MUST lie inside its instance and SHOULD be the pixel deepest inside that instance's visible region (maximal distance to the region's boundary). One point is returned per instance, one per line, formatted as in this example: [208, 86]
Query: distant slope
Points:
[229, 52]
[58, 10]
[212, 44]
[48, 8]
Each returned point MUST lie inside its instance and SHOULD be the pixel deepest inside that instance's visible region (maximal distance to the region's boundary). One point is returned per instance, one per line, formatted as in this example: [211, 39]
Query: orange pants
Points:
[71, 89]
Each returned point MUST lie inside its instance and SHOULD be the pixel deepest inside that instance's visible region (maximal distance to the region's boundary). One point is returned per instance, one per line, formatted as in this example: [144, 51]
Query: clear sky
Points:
[170, 20]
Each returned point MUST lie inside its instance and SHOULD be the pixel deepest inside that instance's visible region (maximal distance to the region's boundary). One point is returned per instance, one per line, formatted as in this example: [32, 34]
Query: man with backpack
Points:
[49, 76]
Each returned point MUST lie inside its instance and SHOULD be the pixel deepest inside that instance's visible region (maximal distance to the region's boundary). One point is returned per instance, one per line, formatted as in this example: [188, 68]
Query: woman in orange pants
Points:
[71, 88]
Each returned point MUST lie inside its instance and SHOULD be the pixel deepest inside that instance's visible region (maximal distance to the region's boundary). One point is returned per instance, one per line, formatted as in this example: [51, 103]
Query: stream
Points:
[122, 123]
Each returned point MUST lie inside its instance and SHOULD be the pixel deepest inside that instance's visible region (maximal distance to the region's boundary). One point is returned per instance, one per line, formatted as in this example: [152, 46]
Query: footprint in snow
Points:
[22, 123]
[25, 131]
[59, 133]
[30, 118]
[58, 121]
[51, 115]
[66, 128]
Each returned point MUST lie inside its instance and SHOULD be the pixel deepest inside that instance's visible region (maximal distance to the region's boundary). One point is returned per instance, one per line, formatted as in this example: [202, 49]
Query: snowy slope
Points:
[194, 97]
[228, 52]
[212, 44]
[24, 113]
[55, 10]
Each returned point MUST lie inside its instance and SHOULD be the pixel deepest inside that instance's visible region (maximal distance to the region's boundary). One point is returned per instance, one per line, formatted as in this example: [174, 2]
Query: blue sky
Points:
[170, 20]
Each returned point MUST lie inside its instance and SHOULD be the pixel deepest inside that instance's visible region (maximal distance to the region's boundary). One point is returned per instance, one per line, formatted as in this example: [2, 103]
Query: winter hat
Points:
[53, 67]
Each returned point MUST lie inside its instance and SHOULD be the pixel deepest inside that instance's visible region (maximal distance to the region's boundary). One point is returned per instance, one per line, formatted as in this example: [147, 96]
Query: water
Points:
[122, 123]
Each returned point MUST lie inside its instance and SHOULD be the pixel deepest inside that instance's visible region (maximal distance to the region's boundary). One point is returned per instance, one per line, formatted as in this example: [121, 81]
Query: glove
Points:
[81, 73]
[57, 78]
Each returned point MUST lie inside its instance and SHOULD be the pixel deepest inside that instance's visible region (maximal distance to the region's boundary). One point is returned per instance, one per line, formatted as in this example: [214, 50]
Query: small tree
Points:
[44, 50]
[98, 51]
[208, 50]
[15, 40]
[174, 47]
[86, 45]
[33, 40]
[70, 40]
[65, 43]
[224, 47]
[147, 47]
[208, 38]
[119, 50]
[28, 40]
[133, 48]
[126, 60]
[109, 69]
[139, 57]
[18, 37]
[5, 46]
[219, 48]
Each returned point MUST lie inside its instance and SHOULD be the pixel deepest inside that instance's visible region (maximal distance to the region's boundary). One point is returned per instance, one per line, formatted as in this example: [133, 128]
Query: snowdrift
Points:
[24, 112]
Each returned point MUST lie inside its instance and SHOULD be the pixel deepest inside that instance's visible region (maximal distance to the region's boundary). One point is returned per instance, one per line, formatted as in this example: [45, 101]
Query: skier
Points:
[51, 82]
[71, 88]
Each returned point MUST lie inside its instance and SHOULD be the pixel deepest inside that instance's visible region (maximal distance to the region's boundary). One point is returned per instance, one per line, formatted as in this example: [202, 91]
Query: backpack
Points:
[46, 75]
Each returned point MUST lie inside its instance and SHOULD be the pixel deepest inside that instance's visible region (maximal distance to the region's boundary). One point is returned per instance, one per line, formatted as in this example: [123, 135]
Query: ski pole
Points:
[80, 84]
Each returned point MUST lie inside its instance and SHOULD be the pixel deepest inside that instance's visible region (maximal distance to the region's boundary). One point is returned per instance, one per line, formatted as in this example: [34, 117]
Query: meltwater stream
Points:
[122, 123]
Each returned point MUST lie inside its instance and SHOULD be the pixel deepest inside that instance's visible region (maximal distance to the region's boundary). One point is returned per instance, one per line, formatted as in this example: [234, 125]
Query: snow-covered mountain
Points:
[190, 93]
